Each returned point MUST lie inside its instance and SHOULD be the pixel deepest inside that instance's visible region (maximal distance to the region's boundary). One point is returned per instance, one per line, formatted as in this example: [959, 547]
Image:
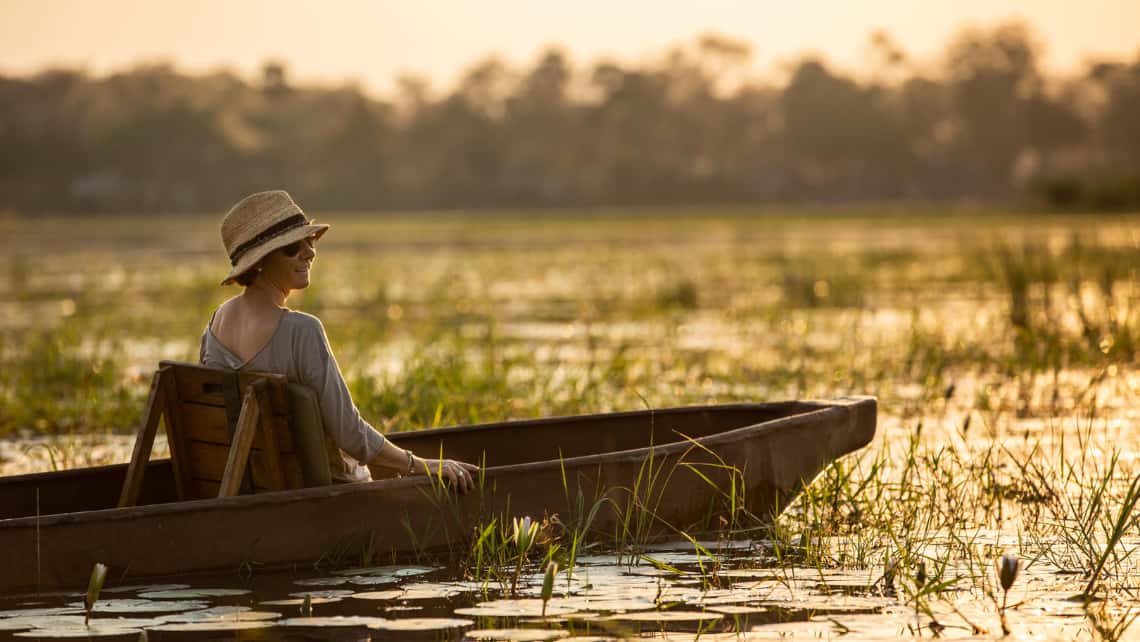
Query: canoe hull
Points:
[649, 492]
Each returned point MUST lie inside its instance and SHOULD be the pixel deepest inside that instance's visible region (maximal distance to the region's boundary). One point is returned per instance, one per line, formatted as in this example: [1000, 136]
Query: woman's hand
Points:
[457, 474]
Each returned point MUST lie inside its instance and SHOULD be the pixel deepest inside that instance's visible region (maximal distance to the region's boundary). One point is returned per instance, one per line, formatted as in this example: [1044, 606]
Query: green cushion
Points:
[309, 435]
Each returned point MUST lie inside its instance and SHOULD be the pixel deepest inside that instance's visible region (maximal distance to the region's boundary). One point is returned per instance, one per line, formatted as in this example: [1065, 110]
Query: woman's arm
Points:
[457, 474]
[348, 429]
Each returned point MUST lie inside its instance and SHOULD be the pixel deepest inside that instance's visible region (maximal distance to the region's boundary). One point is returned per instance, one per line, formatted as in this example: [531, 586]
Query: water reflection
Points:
[606, 599]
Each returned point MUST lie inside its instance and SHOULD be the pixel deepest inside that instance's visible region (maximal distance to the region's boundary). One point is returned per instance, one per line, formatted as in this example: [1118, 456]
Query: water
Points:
[669, 592]
[992, 438]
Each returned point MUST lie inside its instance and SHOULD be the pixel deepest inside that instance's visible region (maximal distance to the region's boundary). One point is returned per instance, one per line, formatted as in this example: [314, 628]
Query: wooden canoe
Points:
[659, 467]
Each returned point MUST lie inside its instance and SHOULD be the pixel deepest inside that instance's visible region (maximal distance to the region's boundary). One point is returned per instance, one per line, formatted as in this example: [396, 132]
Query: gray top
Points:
[300, 350]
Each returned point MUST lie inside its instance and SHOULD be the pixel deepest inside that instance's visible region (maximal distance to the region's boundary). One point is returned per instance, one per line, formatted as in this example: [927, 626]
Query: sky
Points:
[371, 42]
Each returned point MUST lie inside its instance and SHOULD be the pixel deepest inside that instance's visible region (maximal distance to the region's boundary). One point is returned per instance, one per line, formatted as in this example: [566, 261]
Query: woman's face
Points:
[288, 267]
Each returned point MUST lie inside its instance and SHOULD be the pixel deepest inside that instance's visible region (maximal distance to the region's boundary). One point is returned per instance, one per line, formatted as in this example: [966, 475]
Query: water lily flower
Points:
[890, 568]
[525, 531]
[1008, 568]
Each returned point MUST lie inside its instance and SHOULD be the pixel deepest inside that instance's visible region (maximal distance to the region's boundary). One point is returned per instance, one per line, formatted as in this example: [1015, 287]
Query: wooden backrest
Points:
[230, 432]
[310, 444]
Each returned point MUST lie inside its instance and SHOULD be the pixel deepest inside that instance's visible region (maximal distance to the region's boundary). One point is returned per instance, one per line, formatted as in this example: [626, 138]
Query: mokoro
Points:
[55, 526]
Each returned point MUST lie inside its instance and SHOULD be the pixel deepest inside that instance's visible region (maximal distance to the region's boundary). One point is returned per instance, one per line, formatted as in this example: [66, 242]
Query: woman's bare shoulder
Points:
[222, 313]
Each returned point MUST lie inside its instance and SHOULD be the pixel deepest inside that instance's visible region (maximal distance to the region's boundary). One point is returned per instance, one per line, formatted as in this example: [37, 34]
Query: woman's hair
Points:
[247, 277]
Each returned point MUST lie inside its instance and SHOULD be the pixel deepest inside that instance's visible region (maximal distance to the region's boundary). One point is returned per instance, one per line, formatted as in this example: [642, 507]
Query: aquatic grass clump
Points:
[1113, 529]
[61, 381]
[500, 553]
[816, 282]
[577, 525]
[1068, 309]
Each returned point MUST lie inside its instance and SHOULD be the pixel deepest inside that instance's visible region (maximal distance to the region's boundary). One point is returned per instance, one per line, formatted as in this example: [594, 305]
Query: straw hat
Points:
[261, 223]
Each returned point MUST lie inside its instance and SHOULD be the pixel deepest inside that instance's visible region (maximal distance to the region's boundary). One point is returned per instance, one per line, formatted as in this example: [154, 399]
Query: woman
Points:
[271, 246]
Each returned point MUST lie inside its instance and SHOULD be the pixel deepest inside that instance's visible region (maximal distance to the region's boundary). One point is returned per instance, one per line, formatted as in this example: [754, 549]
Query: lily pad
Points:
[390, 594]
[517, 635]
[429, 590]
[212, 626]
[725, 596]
[667, 616]
[140, 605]
[326, 593]
[61, 624]
[335, 621]
[322, 581]
[145, 587]
[684, 545]
[431, 593]
[515, 608]
[127, 622]
[371, 580]
[32, 621]
[189, 594]
[737, 609]
[220, 613]
[93, 631]
[424, 624]
[751, 573]
[580, 616]
[615, 604]
[36, 612]
[298, 601]
[391, 571]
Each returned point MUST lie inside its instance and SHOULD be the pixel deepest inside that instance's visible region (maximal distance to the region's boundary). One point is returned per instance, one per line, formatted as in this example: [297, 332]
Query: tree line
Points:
[693, 126]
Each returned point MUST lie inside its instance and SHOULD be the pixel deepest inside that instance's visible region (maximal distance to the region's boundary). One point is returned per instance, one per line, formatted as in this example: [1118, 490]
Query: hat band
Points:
[295, 221]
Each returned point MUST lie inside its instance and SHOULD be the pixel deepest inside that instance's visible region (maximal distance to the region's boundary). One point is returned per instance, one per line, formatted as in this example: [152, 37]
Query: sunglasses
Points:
[294, 248]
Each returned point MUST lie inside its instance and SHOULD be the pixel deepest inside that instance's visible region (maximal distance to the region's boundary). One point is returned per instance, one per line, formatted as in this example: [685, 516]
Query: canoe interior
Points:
[497, 444]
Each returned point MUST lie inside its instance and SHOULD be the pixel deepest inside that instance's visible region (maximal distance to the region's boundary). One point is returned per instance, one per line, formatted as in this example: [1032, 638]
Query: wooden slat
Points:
[144, 442]
[267, 435]
[209, 462]
[202, 385]
[238, 456]
[205, 488]
[208, 423]
[175, 437]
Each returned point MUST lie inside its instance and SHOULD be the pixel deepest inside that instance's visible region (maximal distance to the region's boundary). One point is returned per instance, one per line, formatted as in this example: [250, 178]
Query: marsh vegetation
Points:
[1002, 349]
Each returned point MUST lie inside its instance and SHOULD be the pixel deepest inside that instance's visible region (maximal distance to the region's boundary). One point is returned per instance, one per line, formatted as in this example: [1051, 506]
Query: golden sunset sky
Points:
[371, 41]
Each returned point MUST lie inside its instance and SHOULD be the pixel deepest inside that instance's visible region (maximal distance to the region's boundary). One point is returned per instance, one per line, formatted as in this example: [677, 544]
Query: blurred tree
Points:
[486, 86]
[1120, 119]
[839, 138]
[624, 129]
[539, 130]
[993, 80]
[273, 78]
[689, 127]
[888, 63]
[349, 170]
[724, 60]
[44, 142]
